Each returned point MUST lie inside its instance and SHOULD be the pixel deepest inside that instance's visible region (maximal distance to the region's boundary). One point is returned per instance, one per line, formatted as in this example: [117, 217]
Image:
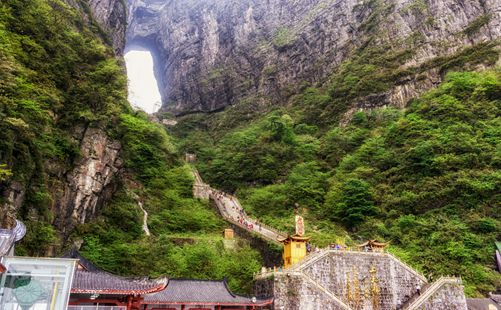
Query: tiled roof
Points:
[106, 283]
[86, 264]
[481, 304]
[200, 292]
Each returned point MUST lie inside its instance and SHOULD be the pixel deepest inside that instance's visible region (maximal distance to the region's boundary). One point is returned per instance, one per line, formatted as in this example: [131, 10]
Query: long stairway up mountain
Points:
[232, 211]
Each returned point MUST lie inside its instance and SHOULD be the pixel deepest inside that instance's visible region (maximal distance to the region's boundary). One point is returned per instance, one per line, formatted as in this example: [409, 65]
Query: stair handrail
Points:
[276, 231]
[310, 259]
[415, 303]
[326, 291]
[406, 266]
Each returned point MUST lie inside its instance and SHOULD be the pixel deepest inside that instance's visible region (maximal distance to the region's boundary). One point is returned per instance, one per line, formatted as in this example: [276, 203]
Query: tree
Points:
[351, 202]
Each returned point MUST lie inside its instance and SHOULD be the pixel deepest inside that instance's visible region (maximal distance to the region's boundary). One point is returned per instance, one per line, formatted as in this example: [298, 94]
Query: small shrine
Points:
[373, 246]
[295, 246]
[229, 233]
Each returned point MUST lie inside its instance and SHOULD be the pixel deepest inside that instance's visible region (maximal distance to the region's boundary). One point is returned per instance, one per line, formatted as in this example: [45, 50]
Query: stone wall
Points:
[361, 278]
[356, 280]
[299, 293]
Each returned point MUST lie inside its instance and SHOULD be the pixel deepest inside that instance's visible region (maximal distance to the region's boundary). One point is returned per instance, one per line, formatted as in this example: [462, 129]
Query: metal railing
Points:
[96, 307]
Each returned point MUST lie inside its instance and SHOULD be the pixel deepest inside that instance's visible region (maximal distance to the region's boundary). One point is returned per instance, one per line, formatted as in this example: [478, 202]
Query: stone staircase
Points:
[232, 211]
[409, 268]
[413, 303]
[427, 291]
[319, 277]
[326, 292]
[312, 258]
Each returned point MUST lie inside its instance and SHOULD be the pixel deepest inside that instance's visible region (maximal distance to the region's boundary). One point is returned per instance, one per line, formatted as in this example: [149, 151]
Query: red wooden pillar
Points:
[129, 302]
[183, 307]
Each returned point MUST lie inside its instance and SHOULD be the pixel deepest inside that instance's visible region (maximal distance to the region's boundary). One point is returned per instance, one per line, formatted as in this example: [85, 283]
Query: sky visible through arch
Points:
[144, 93]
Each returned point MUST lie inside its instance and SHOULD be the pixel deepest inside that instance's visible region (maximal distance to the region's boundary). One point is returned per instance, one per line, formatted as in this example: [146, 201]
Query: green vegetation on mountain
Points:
[57, 73]
[425, 178]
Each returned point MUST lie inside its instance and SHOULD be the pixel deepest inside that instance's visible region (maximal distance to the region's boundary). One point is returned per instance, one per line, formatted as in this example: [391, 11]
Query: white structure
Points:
[36, 283]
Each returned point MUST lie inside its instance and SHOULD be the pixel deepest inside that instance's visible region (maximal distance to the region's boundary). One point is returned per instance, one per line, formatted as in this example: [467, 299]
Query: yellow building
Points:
[294, 249]
[295, 246]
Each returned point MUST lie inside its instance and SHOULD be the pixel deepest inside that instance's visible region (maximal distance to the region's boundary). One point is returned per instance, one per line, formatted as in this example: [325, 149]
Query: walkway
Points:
[145, 219]
[232, 211]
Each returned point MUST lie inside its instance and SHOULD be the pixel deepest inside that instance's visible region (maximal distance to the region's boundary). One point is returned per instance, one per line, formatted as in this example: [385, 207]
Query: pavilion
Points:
[373, 246]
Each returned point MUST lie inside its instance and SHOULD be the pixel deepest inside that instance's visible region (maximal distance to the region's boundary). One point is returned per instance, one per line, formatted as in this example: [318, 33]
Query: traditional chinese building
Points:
[105, 289]
[295, 245]
[94, 287]
[373, 246]
[201, 295]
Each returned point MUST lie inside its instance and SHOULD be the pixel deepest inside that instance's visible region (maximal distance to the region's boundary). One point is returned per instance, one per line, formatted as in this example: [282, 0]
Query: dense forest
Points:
[425, 178]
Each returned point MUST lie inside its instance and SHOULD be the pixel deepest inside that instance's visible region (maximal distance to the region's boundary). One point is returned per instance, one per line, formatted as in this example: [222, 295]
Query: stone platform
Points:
[333, 279]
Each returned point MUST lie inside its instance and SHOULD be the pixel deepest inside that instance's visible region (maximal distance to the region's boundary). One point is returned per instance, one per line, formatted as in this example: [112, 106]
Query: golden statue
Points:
[375, 290]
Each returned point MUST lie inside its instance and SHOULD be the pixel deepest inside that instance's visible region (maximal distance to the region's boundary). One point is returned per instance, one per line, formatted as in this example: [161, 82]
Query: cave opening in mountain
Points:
[144, 78]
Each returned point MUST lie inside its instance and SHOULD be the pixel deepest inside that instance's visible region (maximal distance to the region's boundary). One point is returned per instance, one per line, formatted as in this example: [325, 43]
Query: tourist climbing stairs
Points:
[427, 291]
[232, 211]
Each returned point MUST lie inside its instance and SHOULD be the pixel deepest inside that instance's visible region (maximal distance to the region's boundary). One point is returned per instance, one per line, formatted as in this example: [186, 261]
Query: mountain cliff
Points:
[78, 165]
[111, 15]
[55, 137]
[80, 168]
[219, 53]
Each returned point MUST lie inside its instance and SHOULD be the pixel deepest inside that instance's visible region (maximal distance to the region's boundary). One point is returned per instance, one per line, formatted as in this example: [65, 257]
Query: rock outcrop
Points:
[112, 17]
[90, 183]
[217, 52]
[14, 197]
[77, 190]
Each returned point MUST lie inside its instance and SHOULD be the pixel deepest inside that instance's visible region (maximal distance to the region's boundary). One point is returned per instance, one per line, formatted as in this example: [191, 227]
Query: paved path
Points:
[231, 210]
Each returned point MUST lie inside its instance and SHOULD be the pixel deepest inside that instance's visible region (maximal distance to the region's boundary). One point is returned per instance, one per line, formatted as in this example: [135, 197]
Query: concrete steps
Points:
[417, 301]
[232, 211]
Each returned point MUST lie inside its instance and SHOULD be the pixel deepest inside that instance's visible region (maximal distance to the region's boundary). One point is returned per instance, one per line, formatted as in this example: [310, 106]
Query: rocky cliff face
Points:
[111, 16]
[91, 182]
[78, 193]
[217, 52]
